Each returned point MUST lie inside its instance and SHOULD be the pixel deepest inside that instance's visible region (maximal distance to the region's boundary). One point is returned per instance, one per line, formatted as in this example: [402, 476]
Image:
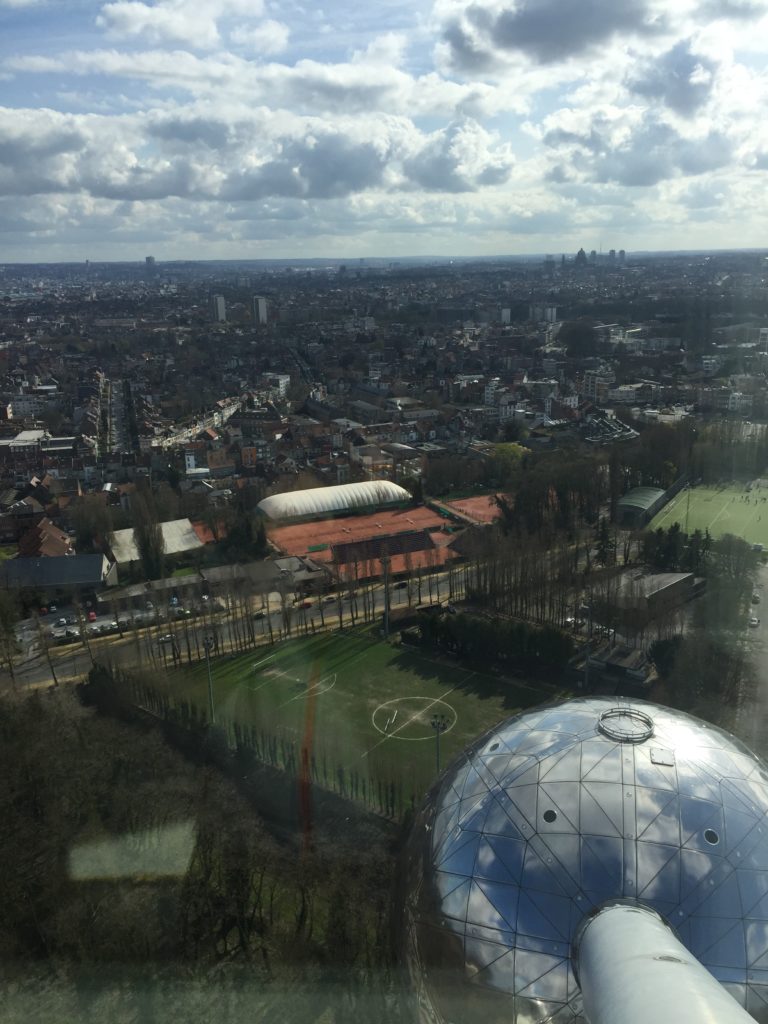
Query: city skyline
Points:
[261, 131]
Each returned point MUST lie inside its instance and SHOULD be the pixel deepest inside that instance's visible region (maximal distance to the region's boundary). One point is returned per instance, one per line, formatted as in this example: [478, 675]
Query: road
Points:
[142, 642]
[751, 724]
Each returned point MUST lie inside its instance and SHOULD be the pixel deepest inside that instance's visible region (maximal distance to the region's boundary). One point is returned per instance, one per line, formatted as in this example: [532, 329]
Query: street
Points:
[155, 636]
[752, 716]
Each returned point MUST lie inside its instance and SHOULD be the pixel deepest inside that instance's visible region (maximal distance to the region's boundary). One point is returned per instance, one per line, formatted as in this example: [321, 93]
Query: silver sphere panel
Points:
[557, 811]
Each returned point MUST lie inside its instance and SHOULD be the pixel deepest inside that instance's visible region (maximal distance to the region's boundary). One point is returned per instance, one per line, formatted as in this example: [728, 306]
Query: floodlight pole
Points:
[385, 564]
[439, 723]
[632, 969]
[208, 644]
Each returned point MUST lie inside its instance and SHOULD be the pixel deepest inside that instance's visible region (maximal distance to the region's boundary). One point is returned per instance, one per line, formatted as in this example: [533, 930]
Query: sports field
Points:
[353, 701]
[720, 510]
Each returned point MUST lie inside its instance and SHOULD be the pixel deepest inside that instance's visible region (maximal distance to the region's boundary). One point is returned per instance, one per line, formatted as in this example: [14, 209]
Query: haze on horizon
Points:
[244, 129]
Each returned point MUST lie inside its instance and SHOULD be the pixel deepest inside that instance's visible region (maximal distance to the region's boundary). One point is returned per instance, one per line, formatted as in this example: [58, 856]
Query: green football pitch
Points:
[720, 510]
[356, 702]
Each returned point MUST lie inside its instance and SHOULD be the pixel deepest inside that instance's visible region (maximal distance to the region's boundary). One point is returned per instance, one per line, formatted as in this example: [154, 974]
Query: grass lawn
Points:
[720, 510]
[357, 702]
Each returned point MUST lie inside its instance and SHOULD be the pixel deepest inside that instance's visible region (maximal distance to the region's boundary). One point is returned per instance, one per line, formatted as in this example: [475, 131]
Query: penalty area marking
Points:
[391, 712]
[274, 675]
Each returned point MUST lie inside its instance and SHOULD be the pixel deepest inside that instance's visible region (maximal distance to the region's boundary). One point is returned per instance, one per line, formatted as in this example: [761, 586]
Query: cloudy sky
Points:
[258, 128]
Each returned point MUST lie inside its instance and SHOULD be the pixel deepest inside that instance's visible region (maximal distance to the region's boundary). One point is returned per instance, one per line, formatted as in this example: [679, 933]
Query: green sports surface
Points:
[355, 702]
[720, 510]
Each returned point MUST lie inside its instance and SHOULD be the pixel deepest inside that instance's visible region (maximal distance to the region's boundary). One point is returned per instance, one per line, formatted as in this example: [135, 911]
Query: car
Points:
[754, 622]
[71, 620]
[258, 615]
[149, 606]
[168, 638]
[305, 604]
[91, 616]
[755, 599]
[329, 599]
[206, 597]
[400, 585]
[52, 608]
[61, 622]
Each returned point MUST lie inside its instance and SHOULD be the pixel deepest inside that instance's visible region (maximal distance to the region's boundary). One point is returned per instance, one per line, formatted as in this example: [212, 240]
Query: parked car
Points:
[168, 638]
[91, 616]
[61, 622]
[400, 585]
[258, 615]
[754, 622]
[755, 599]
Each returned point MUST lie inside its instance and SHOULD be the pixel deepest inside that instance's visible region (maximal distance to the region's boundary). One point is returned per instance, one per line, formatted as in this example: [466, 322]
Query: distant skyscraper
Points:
[612, 256]
[259, 309]
[593, 256]
[149, 265]
[218, 309]
[581, 258]
[622, 257]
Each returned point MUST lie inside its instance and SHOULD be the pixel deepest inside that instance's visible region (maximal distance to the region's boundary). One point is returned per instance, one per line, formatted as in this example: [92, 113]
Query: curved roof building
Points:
[639, 505]
[320, 501]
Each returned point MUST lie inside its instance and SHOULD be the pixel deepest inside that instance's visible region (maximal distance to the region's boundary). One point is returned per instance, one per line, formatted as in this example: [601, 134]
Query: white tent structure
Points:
[320, 501]
[178, 535]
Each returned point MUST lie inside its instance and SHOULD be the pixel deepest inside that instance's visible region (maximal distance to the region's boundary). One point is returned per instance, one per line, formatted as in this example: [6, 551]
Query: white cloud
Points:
[396, 128]
[267, 38]
[192, 22]
[308, 86]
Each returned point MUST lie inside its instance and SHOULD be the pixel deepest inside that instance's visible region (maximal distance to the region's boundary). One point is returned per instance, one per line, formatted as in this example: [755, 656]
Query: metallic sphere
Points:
[561, 809]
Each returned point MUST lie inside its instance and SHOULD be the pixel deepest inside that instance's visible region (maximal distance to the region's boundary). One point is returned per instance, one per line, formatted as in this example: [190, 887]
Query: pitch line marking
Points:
[408, 721]
[313, 690]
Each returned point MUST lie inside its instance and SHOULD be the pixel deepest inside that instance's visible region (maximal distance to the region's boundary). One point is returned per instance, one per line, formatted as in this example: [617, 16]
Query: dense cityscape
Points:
[280, 539]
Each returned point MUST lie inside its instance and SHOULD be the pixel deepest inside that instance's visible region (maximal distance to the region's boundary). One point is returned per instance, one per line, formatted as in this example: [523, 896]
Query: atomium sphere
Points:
[560, 810]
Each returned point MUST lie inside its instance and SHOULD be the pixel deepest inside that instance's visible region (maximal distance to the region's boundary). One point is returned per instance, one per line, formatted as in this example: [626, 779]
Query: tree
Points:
[605, 543]
[166, 502]
[9, 616]
[579, 337]
[246, 537]
[148, 534]
[92, 523]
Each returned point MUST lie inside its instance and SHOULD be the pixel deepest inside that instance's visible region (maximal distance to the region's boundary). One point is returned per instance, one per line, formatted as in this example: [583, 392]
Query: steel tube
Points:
[633, 970]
